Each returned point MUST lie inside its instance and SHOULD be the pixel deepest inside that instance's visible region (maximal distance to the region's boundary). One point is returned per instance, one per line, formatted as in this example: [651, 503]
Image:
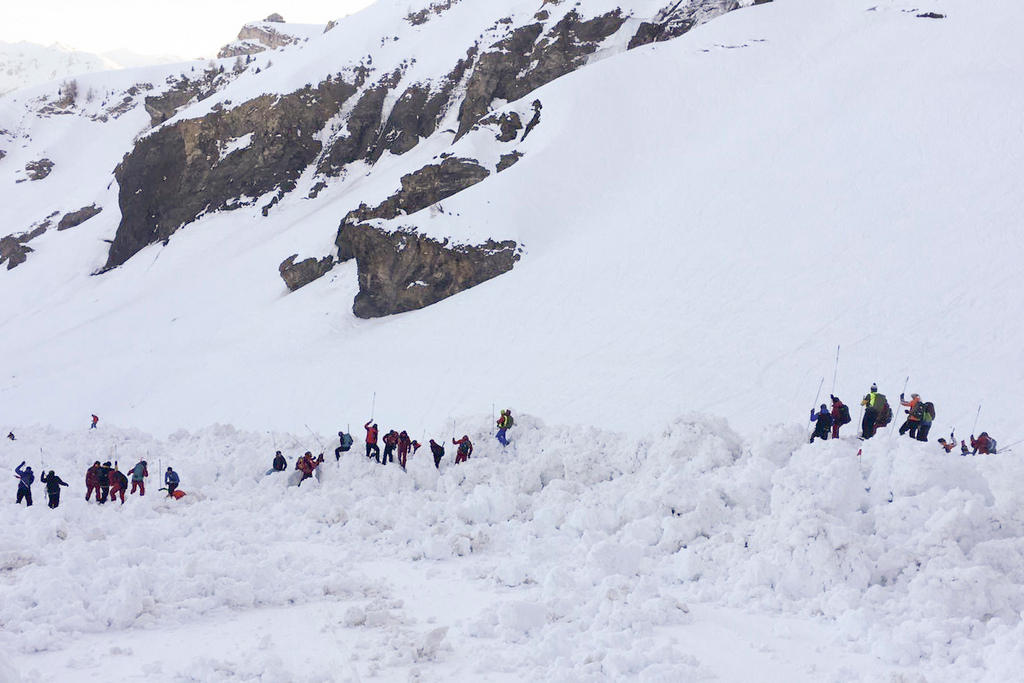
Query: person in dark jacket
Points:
[871, 408]
[839, 412]
[10, 435]
[25, 478]
[280, 463]
[171, 480]
[371, 440]
[92, 480]
[53, 484]
[822, 421]
[390, 442]
[984, 444]
[118, 483]
[438, 452]
[103, 475]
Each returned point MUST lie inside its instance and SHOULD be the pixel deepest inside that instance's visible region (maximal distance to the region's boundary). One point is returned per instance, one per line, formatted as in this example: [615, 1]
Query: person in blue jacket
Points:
[822, 421]
[171, 479]
[25, 478]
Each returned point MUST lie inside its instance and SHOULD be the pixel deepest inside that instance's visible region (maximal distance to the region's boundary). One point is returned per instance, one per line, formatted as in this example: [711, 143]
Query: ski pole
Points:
[818, 393]
[976, 420]
[835, 371]
[892, 427]
[373, 405]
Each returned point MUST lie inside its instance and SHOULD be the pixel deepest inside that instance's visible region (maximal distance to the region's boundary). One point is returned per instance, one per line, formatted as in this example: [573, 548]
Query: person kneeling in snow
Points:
[280, 464]
[171, 480]
[822, 421]
[438, 452]
[984, 444]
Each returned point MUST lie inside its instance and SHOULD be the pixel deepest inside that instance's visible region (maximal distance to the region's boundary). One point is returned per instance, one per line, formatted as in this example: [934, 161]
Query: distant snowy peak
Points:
[24, 64]
[269, 34]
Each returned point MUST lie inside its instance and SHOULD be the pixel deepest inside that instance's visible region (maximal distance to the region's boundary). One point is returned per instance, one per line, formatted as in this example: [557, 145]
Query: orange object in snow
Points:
[178, 494]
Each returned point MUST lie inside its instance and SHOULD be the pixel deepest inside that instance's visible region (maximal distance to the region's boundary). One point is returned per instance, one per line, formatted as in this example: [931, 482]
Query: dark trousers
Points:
[170, 489]
[102, 492]
[389, 453]
[820, 432]
[922, 431]
[867, 426]
[337, 452]
[437, 460]
[373, 449]
[26, 494]
[910, 426]
[54, 499]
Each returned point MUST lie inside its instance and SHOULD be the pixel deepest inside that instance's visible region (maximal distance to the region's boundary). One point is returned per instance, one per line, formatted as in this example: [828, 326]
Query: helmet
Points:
[169, 469]
[915, 396]
[823, 406]
[874, 387]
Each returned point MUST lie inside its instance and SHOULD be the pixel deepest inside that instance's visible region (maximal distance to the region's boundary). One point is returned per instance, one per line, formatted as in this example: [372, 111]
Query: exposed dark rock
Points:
[275, 18]
[427, 186]
[364, 125]
[542, 15]
[177, 173]
[37, 170]
[14, 249]
[75, 218]
[509, 125]
[677, 19]
[524, 61]
[535, 119]
[296, 275]
[403, 271]
[931, 15]
[423, 16]
[507, 160]
[2, 154]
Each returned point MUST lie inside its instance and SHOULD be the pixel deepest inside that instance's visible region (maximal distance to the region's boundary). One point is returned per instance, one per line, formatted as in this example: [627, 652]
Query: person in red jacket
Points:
[404, 444]
[465, 449]
[840, 415]
[306, 465]
[984, 444]
[92, 480]
[390, 443]
[371, 441]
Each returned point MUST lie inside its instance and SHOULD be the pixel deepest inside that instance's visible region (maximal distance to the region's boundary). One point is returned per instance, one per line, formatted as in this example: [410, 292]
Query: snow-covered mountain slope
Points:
[24, 64]
[576, 554]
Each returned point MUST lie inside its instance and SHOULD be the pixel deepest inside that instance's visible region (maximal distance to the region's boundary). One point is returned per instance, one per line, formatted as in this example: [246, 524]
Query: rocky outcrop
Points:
[258, 37]
[37, 170]
[526, 60]
[678, 18]
[296, 275]
[427, 186]
[14, 249]
[424, 15]
[76, 218]
[177, 173]
[403, 271]
[184, 90]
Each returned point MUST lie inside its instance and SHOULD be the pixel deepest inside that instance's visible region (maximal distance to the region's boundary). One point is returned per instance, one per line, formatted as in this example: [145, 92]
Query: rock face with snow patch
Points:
[403, 271]
[178, 172]
[75, 218]
[296, 275]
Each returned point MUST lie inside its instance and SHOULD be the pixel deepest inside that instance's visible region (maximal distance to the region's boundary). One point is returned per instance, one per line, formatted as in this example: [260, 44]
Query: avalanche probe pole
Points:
[972, 428]
[835, 371]
[892, 427]
[817, 394]
[373, 405]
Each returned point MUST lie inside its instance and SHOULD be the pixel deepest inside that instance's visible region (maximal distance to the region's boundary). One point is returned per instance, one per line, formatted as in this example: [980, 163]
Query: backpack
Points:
[346, 442]
[929, 408]
[508, 421]
[844, 414]
[884, 412]
[464, 448]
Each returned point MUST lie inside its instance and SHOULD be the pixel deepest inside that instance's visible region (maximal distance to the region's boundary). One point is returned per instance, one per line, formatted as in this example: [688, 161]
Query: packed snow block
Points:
[218, 162]
[404, 271]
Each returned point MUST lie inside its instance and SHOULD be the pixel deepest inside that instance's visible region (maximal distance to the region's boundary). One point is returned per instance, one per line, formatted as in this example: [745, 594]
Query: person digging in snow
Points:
[465, 449]
[139, 474]
[822, 421]
[371, 440]
[437, 450]
[840, 415]
[171, 480]
[92, 480]
[53, 484]
[118, 483]
[25, 478]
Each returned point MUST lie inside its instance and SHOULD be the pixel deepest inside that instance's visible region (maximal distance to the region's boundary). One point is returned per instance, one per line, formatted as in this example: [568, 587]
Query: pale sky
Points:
[184, 28]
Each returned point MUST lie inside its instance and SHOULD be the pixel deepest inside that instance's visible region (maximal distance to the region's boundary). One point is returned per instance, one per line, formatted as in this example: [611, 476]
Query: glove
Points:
[907, 412]
[812, 416]
[901, 397]
[834, 399]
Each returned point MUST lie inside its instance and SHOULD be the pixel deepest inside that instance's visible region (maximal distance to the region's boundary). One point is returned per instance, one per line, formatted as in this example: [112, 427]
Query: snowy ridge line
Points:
[913, 554]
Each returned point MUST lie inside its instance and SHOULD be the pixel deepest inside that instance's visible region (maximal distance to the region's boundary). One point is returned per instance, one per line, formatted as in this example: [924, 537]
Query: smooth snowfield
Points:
[704, 222]
[575, 554]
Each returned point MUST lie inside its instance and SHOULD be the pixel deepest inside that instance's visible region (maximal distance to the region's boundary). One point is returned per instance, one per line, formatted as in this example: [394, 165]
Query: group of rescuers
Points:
[877, 413]
[394, 442]
[106, 480]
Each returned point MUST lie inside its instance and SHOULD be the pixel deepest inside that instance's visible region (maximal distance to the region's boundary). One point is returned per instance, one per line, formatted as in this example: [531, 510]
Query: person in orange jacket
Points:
[984, 444]
[913, 411]
[371, 440]
[465, 449]
[404, 444]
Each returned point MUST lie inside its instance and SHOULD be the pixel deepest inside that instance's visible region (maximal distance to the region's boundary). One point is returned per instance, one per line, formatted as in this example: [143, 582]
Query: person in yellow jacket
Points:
[871, 407]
